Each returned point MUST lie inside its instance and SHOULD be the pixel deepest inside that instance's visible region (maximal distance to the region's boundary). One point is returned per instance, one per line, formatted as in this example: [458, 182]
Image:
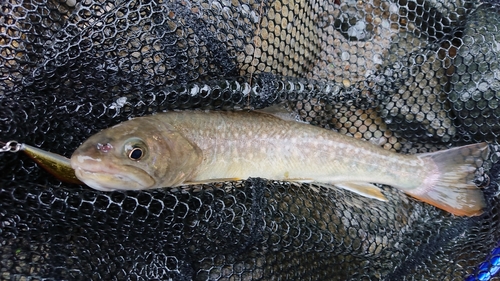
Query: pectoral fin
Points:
[363, 188]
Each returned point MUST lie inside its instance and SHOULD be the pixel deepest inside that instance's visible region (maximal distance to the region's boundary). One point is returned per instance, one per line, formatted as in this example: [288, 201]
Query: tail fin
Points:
[451, 188]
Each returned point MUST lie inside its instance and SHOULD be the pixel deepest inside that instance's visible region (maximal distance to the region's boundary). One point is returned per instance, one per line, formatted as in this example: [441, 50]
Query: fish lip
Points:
[89, 173]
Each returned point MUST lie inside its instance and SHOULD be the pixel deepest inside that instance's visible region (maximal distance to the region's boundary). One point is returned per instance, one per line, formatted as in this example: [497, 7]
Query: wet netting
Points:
[409, 75]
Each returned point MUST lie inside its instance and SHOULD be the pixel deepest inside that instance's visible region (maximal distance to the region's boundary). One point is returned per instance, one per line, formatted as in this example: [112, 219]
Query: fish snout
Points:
[105, 175]
[78, 160]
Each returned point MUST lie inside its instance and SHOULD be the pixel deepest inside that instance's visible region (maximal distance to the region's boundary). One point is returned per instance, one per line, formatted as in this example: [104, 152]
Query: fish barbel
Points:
[191, 147]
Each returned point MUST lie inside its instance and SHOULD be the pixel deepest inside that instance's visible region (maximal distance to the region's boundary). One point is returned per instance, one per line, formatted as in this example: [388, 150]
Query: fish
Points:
[57, 165]
[181, 148]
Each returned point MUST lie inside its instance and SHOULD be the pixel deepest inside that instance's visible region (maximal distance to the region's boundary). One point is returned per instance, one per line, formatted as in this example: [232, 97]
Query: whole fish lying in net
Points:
[192, 147]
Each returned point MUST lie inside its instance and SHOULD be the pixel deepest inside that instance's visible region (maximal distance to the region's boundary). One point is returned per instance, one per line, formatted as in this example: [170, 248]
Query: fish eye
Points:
[135, 149]
[136, 153]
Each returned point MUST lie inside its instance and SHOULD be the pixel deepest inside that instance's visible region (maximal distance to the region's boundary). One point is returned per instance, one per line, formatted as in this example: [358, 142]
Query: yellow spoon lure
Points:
[57, 165]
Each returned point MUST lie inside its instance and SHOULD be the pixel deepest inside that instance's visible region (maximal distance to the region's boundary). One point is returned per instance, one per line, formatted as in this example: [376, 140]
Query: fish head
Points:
[137, 154]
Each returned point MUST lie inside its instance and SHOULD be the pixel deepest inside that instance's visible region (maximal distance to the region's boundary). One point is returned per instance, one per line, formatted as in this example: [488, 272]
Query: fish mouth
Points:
[111, 178]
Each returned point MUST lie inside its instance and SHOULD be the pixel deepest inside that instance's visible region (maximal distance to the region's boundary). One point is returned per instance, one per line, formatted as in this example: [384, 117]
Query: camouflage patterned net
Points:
[409, 75]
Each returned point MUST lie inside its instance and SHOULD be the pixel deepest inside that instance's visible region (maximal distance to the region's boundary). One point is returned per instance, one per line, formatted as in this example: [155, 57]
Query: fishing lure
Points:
[57, 165]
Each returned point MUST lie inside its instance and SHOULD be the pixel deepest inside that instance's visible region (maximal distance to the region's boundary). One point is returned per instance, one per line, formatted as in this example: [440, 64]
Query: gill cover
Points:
[183, 157]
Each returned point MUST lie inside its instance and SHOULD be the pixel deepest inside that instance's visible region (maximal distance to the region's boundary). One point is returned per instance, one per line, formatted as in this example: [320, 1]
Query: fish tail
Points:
[450, 187]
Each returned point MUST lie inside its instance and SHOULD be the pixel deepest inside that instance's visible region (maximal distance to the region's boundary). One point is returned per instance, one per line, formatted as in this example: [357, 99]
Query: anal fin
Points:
[363, 188]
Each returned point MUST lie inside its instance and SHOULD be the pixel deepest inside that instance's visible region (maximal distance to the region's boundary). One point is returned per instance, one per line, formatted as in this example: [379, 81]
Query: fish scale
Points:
[194, 147]
[314, 152]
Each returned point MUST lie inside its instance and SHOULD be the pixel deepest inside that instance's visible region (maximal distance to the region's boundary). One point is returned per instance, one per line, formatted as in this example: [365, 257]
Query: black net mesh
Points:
[409, 75]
